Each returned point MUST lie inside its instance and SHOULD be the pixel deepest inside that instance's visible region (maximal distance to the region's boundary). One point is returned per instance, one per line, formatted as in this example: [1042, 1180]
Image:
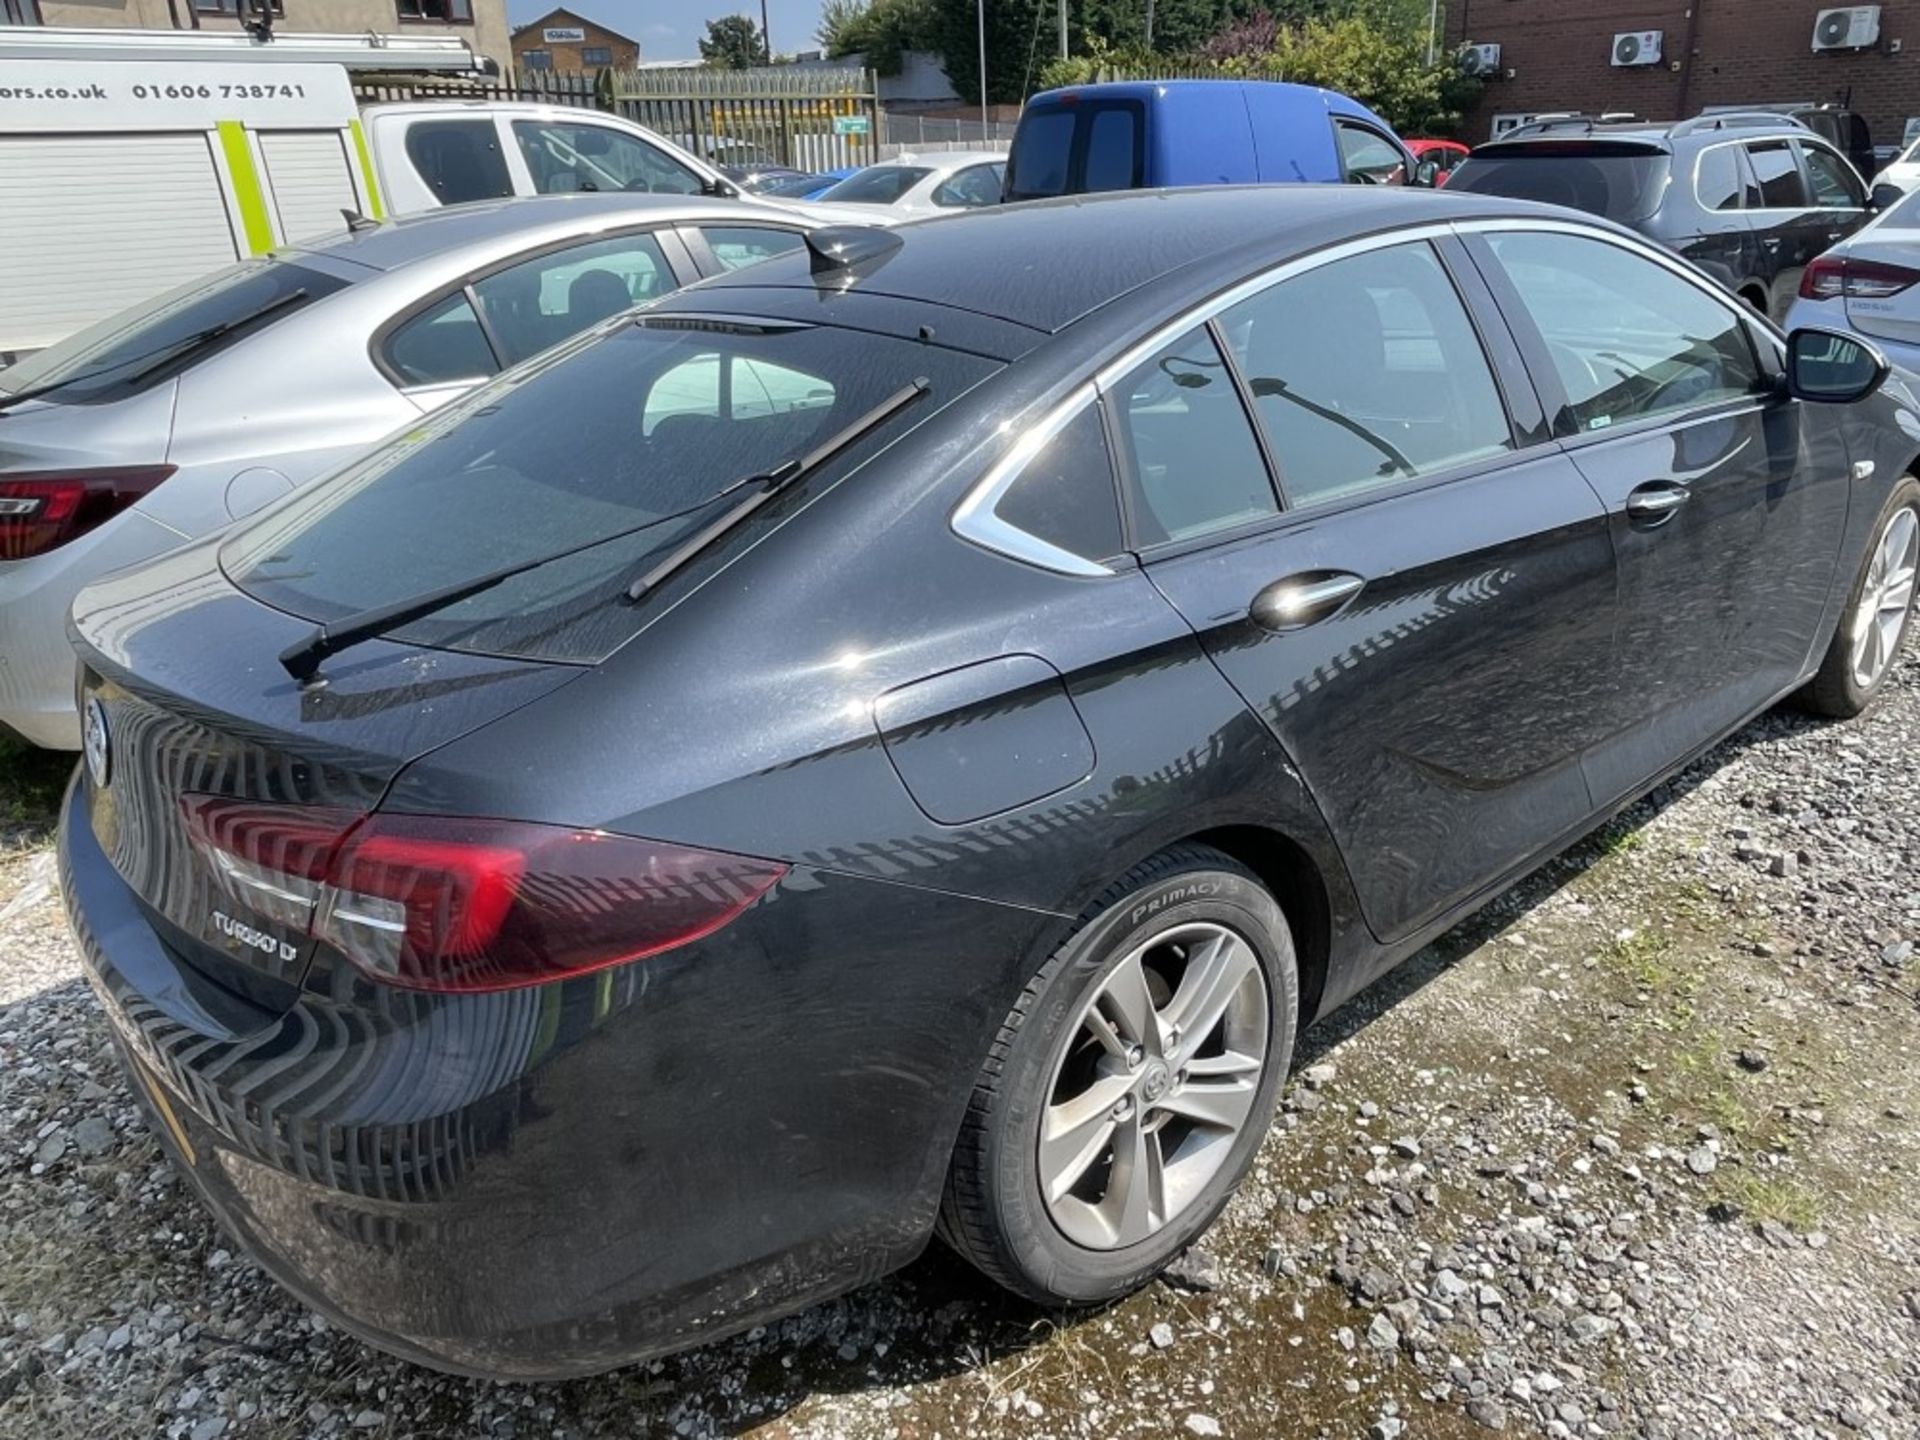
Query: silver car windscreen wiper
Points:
[302, 659]
[153, 361]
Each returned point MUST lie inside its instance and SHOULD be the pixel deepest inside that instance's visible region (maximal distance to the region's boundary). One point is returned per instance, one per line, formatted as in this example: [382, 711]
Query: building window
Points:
[601, 55]
[232, 8]
[537, 59]
[19, 12]
[443, 12]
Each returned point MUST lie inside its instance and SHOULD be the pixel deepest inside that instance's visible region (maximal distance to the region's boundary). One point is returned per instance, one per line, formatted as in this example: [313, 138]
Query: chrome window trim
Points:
[1817, 141]
[976, 518]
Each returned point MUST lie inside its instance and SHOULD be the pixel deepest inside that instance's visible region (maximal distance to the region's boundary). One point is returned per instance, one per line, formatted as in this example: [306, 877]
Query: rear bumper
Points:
[36, 658]
[555, 1181]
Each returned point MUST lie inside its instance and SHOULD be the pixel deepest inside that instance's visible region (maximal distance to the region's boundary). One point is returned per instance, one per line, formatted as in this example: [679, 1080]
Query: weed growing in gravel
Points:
[30, 784]
[1782, 1200]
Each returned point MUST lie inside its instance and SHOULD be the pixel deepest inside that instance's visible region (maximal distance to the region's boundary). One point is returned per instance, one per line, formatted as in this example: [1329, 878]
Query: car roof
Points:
[400, 242]
[1043, 264]
[942, 159]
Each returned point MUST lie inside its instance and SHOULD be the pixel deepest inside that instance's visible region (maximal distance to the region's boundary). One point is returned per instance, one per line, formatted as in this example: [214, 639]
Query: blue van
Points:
[1131, 135]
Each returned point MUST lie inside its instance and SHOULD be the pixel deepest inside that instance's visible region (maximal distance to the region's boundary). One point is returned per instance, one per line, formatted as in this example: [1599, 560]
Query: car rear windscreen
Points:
[1623, 184]
[619, 443]
[135, 348]
[877, 184]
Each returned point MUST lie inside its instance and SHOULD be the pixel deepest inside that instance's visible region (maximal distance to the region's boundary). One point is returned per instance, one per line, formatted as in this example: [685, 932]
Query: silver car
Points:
[910, 187]
[169, 420]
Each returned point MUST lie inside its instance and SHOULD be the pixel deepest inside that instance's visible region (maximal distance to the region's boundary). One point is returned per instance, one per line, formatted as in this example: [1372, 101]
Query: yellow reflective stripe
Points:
[246, 187]
[366, 170]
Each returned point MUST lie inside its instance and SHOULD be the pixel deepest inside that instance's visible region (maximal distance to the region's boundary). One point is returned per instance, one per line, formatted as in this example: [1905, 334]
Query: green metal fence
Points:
[812, 119]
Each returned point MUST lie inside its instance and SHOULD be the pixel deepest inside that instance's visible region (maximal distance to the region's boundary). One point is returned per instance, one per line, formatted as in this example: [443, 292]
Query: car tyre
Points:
[1189, 923]
[1850, 676]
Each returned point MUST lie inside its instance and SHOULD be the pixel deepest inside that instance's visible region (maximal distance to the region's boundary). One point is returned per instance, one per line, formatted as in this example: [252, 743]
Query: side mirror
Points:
[1884, 197]
[1832, 368]
[1427, 174]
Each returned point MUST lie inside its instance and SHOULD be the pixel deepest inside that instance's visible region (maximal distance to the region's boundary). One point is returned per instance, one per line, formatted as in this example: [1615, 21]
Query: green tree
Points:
[733, 42]
[878, 30]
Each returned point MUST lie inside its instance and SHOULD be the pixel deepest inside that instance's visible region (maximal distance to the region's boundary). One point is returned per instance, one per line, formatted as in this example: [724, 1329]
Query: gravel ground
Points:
[1633, 1153]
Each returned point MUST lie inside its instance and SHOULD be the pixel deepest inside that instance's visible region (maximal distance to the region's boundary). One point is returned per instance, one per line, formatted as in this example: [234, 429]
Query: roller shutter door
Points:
[90, 224]
[307, 172]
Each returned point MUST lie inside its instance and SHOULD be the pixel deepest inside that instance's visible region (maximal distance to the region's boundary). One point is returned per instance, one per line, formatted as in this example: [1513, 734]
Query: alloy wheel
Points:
[1154, 1083]
[1886, 597]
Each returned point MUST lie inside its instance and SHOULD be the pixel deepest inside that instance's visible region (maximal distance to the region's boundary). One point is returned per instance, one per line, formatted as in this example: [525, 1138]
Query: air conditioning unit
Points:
[1856, 27]
[1483, 60]
[1637, 47]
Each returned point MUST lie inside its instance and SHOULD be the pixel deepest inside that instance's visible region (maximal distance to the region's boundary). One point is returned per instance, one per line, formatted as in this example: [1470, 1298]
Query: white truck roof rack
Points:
[440, 54]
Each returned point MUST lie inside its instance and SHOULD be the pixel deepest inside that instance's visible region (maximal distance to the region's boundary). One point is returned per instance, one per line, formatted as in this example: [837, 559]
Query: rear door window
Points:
[969, 188]
[1721, 183]
[460, 160]
[737, 245]
[1835, 186]
[443, 345]
[540, 302]
[1194, 466]
[1365, 372]
[1778, 173]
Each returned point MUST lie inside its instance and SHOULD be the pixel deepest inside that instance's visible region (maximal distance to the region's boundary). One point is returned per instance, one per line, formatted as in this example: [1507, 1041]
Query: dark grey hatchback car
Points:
[901, 739]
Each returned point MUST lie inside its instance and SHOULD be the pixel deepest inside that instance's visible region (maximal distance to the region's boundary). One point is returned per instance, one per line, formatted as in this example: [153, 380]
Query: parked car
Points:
[765, 179]
[931, 183]
[1750, 199]
[447, 152]
[1865, 284]
[803, 185]
[1434, 160]
[1903, 171]
[175, 417]
[899, 739]
[1143, 134]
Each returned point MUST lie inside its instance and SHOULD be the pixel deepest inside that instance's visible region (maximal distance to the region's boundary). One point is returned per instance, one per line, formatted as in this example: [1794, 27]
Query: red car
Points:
[1445, 154]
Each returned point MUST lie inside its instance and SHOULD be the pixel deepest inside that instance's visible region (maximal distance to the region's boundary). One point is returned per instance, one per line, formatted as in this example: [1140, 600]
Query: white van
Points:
[121, 179]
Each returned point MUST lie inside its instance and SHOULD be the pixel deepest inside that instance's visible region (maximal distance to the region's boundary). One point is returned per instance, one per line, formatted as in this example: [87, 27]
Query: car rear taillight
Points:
[457, 905]
[42, 509]
[1832, 276]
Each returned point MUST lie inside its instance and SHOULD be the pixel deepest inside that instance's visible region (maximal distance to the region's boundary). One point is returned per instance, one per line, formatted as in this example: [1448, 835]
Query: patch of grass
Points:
[1761, 1198]
[1645, 957]
[30, 783]
[1623, 841]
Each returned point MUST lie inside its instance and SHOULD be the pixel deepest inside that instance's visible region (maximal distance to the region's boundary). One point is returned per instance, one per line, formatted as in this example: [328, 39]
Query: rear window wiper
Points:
[154, 361]
[302, 659]
[772, 482]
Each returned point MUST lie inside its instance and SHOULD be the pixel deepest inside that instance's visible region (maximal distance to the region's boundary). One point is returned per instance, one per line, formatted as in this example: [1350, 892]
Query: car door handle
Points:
[1772, 242]
[1304, 599]
[1655, 503]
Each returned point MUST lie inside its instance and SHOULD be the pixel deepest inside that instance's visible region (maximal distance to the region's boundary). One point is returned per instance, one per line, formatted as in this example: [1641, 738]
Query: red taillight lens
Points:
[1832, 276]
[457, 905]
[42, 509]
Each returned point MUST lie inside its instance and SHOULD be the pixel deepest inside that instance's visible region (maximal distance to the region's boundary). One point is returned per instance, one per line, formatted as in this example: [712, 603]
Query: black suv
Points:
[1751, 197]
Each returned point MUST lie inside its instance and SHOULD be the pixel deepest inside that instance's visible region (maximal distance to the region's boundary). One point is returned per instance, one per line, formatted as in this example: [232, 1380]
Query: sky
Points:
[671, 29]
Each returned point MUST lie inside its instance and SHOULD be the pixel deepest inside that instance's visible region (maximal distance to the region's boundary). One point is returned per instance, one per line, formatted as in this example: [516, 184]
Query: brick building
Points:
[570, 44]
[1556, 55]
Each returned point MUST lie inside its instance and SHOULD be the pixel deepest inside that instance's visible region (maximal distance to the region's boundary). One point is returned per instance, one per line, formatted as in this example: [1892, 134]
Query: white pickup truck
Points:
[444, 152]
